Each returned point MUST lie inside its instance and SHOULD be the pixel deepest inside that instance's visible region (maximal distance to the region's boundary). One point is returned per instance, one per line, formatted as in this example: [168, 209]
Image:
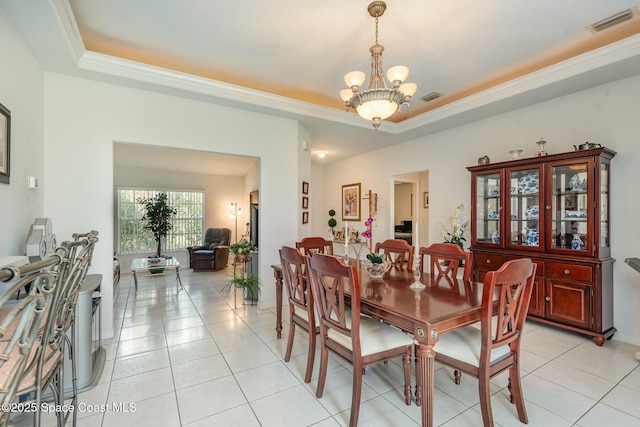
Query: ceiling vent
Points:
[431, 96]
[613, 20]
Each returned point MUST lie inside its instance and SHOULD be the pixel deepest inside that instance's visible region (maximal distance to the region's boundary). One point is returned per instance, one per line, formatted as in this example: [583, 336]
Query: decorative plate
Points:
[528, 184]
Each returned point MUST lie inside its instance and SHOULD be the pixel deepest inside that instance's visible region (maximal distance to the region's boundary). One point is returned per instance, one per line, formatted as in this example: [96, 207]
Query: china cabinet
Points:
[553, 209]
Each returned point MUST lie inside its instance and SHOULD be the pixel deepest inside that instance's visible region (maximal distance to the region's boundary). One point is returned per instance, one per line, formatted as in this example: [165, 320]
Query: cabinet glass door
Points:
[488, 208]
[604, 206]
[569, 207]
[524, 209]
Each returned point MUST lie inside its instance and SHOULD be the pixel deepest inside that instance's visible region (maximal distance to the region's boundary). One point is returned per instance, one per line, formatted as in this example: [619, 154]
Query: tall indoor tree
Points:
[157, 216]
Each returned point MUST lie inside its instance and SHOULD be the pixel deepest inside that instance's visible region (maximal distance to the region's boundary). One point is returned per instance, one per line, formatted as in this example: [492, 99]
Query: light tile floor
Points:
[190, 359]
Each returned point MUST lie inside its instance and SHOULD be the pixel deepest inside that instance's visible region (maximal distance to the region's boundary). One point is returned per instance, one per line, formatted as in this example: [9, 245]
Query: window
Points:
[188, 224]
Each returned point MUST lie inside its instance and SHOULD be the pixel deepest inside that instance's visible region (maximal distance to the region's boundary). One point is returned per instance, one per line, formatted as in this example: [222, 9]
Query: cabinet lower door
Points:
[569, 303]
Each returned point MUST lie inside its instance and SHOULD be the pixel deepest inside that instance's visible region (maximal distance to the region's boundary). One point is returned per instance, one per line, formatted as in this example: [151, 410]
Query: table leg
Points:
[135, 280]
[278, 275]
[178, 280]
[424, 377]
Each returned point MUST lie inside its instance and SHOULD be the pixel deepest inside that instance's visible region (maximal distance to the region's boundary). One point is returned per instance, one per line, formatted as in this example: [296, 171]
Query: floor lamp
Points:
[235, 211]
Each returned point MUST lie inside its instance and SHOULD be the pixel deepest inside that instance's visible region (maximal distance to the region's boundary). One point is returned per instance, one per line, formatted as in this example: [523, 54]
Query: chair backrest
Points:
[294, 266]
[511, 284]
[20, 324]
[217, 237]
[312, 245]
[329, 278]
[397, 251]
[444, 261]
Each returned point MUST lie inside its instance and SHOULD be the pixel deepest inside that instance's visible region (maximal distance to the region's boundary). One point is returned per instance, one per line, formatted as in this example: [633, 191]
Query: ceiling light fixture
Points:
[377, 102]
[321, 154]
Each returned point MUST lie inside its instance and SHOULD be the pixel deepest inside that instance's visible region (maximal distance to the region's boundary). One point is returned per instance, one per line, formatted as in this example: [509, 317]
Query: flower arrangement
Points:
[376, 258]
[456, 235]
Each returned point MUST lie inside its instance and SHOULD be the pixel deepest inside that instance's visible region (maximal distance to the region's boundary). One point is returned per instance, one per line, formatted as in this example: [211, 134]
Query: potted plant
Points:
[241, 249]
[157, 216]
[250, 286]
[332, 222]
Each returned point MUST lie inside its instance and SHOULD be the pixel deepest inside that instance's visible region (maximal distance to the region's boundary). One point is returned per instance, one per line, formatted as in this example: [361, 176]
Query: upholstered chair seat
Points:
[213, 254]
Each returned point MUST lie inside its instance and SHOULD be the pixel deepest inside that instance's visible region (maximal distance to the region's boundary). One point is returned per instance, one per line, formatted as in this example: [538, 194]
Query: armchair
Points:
[213, 254]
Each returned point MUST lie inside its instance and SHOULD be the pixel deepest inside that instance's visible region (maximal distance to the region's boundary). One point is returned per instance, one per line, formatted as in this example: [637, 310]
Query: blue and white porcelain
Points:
[528, 184]
[494, 191]
[493, 215]
[533, 237]
[495, 237]
[575, 214]
[532, 212]
[576, 242]
[575, 183]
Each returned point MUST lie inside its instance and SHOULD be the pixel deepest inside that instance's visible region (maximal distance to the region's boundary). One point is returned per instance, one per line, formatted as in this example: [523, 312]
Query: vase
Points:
[376, 270]
[242, 257]
[576, 242]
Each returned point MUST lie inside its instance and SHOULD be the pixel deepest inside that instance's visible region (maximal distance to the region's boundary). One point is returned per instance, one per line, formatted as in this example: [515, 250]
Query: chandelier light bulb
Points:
[346, 94]
[409, 89]
[321, 154]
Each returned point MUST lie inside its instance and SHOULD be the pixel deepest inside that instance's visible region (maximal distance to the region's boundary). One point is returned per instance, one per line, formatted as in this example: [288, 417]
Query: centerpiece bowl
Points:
[376, 270]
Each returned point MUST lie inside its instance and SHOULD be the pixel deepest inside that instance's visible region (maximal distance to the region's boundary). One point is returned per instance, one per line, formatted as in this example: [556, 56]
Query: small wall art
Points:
[305, 187]
[351, 202]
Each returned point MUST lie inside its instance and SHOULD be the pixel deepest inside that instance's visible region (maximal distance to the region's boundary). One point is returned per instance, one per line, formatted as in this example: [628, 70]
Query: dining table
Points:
[442, 306]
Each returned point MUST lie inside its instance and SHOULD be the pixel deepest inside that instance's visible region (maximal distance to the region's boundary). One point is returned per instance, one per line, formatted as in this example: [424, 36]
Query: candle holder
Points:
[417, 284]
[541, 151]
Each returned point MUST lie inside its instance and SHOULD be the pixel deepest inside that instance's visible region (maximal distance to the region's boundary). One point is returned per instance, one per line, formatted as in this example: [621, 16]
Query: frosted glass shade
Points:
[382, 108]
[354, 78]
[409, 89]
[346, 94]
[397, 73]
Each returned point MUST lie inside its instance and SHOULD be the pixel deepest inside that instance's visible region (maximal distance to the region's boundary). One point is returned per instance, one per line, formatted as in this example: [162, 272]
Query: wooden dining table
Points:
[444, 305]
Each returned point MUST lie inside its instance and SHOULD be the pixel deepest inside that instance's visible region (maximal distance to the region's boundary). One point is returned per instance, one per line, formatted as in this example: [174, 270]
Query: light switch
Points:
[32, 183]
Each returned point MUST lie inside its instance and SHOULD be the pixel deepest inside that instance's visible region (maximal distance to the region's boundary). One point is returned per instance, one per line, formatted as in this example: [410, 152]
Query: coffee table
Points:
[142, 265]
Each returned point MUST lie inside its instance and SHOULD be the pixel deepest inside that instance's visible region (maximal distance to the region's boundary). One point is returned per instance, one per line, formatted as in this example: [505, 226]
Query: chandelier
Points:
[377, 101]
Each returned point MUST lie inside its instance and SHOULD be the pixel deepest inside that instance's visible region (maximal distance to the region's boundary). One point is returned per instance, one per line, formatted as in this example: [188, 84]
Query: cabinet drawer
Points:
[566, 271]
[488, 262]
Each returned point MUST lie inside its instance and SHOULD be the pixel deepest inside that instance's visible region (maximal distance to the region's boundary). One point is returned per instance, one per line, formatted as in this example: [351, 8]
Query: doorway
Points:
[410, 214]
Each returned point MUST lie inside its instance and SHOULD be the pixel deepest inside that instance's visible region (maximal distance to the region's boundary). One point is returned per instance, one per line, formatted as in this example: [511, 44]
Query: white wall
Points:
[607, 115]
[22, 92]
[82, 120]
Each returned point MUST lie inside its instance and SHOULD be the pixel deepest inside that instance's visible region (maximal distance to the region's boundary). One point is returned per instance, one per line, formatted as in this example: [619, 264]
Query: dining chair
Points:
[397, 251]
[495, 347]
[20, 323]
[362, 341]
[311, 245]
[301, 307]
[445, 259]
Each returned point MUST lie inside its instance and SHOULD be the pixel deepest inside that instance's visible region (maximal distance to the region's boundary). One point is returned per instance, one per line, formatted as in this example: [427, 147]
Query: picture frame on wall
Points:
[425, 197]
[305, 217]
[305, 187]
[5, 144]
[351, 202]
[305, 203]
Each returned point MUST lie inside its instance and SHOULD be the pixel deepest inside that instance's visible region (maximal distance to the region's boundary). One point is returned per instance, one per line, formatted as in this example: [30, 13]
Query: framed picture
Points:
[305, 187]
[5, 143]
[339, 235]
[305, 217]
[305, 202]
[425, 199]
[351, 202]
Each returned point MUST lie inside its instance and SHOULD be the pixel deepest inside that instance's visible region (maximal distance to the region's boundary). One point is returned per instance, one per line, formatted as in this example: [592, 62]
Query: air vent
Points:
[616, 19]
[431, 96]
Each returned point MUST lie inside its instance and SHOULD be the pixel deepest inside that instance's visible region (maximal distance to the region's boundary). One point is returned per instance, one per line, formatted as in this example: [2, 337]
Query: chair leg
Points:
[356, 393]
[456, 376]
[311, 355]
[484, 385]
[324, 359]
[406, 363]
[292, 331]
[515, 386]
